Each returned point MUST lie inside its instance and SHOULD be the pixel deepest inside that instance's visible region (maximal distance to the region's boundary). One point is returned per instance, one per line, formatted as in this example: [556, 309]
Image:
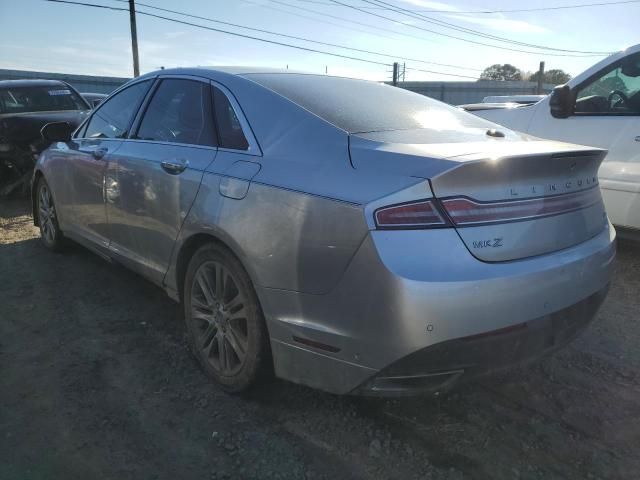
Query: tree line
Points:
[509, 72]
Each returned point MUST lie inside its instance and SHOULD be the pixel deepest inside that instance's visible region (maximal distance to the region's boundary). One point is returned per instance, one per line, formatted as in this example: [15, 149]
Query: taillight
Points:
[422, 214]
[465, 211]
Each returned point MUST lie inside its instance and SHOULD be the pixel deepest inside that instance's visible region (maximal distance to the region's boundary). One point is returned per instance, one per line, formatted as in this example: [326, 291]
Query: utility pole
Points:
[540, 78]
[134, 38]
[395, 73]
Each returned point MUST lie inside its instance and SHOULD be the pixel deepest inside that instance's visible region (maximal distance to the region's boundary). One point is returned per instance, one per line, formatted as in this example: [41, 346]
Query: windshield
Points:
[40, 99]
[358, 106]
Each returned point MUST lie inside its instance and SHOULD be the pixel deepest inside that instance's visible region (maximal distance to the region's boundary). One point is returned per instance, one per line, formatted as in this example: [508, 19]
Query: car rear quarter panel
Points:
[285, 239]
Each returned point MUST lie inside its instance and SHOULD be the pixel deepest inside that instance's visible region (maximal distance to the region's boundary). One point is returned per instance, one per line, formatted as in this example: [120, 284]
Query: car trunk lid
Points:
[507, 199]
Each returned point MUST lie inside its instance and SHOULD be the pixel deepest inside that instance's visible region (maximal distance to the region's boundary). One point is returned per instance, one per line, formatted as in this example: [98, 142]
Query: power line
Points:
[340, 4]
[515, 10]
[442, 23]
[448, 25]
[542, 9]
[459, 38]
[370, 52]
[348, 26]
[106, 7]
[355, 22]
[274, 42]
[250, 37]
[317, 2]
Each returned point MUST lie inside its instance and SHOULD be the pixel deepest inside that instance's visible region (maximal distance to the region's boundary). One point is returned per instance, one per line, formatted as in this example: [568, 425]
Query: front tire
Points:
[50, 232]
[226, 327]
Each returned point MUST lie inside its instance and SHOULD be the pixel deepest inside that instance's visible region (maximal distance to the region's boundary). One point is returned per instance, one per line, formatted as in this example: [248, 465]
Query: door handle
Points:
[174, 167]
[99, 153]
[637, 138]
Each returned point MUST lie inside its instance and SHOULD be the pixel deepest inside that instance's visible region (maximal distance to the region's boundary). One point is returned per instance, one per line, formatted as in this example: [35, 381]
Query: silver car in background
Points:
[348, 235]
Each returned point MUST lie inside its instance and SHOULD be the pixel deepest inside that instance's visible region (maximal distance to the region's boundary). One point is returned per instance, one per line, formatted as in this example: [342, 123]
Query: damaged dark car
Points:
[25, 107]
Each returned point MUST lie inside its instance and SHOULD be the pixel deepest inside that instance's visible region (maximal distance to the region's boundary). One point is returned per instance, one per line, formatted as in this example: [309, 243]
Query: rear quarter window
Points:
[230, 131]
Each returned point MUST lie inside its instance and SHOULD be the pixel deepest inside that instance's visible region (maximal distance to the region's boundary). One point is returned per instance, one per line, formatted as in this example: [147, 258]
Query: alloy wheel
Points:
[219, 318]
[47, 214]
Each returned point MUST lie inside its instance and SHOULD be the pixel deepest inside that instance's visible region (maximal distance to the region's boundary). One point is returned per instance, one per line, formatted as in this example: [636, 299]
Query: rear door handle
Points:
[99, 153]
[174, 167]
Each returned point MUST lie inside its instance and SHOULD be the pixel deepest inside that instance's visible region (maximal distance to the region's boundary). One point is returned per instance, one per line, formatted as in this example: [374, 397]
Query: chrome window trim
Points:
[175, 144]
[254, 147]
[99, 139]
[241, 152]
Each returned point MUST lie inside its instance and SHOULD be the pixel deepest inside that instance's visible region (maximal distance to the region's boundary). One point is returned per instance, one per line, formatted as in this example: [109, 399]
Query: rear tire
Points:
[226, 327]
[50, 232]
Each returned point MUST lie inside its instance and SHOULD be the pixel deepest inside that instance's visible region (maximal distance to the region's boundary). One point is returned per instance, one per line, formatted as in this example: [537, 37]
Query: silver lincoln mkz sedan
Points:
[351, 236]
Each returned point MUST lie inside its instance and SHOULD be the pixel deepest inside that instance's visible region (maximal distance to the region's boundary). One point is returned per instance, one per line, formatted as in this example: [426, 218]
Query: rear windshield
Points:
[40, 99]
[358, 106]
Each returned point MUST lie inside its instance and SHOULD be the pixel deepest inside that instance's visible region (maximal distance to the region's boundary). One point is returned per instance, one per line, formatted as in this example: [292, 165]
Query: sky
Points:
[54, 37]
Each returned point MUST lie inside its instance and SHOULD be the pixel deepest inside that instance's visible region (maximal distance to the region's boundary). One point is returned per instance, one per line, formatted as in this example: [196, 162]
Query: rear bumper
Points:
[421, 293]
[439, 367]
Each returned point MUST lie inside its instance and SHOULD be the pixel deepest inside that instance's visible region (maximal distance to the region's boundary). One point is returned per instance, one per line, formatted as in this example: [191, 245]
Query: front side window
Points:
[614, 92]
[113, 118]
[179, 112]
[230, 132]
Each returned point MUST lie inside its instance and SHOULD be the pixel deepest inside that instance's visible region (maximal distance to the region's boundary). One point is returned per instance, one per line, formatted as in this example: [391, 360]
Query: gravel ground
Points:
[96, 382]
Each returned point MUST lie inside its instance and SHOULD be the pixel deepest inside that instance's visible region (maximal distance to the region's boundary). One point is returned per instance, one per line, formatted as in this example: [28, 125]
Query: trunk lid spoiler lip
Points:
[431, 161]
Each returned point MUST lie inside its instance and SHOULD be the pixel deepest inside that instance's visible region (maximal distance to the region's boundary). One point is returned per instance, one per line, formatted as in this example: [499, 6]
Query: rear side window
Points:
[230, 132]
[113, 118]
[179, 112]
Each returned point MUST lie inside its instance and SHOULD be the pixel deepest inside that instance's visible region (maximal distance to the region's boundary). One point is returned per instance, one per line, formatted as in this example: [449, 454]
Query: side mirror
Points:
[561, 102]
[57, 132]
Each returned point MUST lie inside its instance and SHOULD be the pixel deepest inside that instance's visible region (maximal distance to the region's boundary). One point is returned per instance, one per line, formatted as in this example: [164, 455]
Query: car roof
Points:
[31, 83]
[230, 70]
[235, 70]
[220, 73]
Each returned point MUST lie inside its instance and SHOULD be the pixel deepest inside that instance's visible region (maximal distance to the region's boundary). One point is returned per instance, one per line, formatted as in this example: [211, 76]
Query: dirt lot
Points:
[96, 382]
